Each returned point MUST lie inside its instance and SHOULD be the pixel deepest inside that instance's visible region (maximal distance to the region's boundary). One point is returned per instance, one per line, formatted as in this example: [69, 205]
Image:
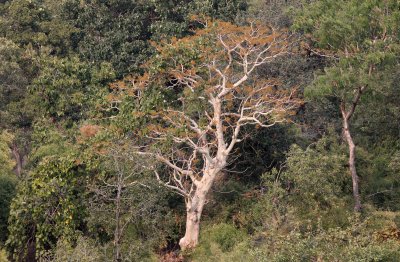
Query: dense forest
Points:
[199, 130]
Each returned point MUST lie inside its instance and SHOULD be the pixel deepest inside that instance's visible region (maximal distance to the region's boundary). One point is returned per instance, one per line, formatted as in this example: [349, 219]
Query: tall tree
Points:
[199, 95]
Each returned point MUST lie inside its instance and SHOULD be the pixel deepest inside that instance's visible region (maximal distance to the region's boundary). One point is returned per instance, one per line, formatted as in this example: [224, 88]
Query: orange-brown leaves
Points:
[89, 130]
[388, 234]
[196, 81]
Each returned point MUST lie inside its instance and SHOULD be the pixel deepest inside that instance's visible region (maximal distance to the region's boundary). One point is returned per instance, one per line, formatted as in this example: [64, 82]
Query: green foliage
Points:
[11, 72]
[395, 162]
[362, 38]
[317, 173]
[7, 182]
[141, 205]
[47, 141]
[7, 193]
[340, 24]
[15, 73]
[367, 60]
[38, 24]
[118, 31]
[380, 175]
[85, 250]
[274, 13]
[355, 243]
[225, 10]
[112, 31]
[48, 206]
[270, 210]
[226, 236]
[300, 239]
[68, 88]
[6, 161]
[313, 185]
[57, 60]
[3, 256]
[219, 241]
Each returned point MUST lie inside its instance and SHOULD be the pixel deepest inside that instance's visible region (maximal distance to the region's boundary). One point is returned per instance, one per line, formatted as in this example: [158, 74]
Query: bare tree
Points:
[112, 193]
[226, 98]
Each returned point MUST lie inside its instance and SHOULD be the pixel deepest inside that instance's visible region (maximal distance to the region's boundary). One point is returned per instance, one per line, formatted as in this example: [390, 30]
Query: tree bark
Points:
[352, 159]
[193, 215]
[194, 209]
[117, 232]
[18, 160]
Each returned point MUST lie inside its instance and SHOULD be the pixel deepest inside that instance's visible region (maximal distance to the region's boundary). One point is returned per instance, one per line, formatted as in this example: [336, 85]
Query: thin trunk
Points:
[117, 233]
[18, 160]
[352, 160]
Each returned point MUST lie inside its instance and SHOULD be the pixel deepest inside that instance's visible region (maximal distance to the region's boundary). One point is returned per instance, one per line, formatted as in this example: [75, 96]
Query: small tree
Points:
[193, 102]
[115, 192]
[361, 50]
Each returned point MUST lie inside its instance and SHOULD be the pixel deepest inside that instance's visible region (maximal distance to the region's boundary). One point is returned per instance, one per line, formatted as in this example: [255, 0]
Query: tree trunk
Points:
[18, 160]
[352, 164]
[194, 209]
[117, 232]
[193, 215]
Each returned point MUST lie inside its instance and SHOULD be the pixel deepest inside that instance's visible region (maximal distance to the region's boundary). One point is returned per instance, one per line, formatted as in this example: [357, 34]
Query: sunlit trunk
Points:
[18, 160]
[352, 164]
[193, 214]
[194, 209]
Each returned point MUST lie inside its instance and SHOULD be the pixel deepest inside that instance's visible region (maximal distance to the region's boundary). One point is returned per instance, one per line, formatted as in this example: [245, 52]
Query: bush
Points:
[7, 192]
[84, 251]
[221, 242]
[358, 242]
[226, 236]
[3, 256]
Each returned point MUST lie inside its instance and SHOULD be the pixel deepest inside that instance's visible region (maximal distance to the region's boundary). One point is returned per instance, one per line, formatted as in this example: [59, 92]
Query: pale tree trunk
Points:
[18, 160]
[194, 209]
[117, 232]
[346, 116]
[352, 164]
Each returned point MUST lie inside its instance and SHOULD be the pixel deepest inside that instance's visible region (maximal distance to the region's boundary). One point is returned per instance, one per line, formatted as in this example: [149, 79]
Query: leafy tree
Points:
[362, 40]
[118, 31]
[38, 24]
[122, 202]
[7, 181]
[67, 89]
[6, 162]
[15, 74]
[48, 206]
[316, 181]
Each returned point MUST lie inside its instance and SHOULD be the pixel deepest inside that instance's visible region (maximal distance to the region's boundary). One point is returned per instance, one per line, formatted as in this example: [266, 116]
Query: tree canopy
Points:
[199, 130]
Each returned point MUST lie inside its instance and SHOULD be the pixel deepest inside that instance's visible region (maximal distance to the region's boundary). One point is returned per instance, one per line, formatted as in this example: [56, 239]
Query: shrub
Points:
[226, 236]
[84, 251]
[220, 242]
[3, 256]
